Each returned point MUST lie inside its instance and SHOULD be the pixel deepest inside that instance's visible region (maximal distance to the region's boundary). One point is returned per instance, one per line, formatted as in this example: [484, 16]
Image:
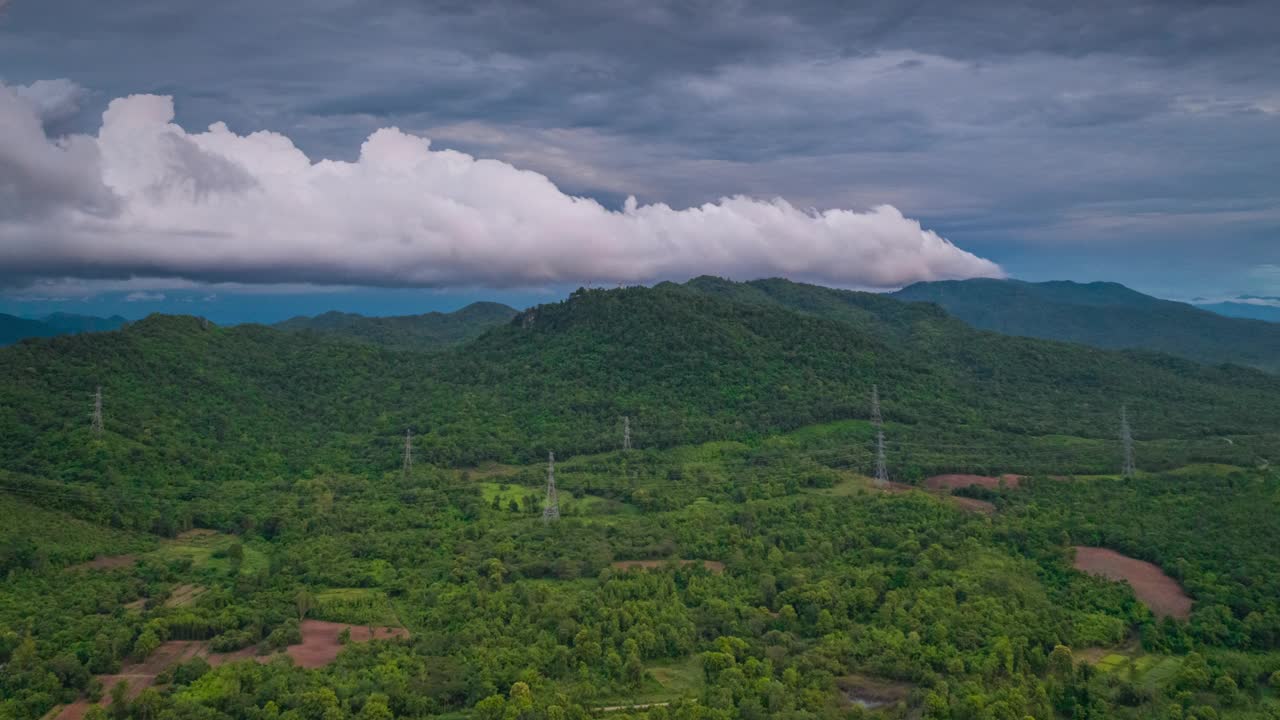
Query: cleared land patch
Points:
[209, 550]
[107, 562]
[320, 640]
[964, 503]
[365, 606]
[320, 646]
[1156, 590]
[715, 566]
[871, 693]
[956, 481]
[140, 676]
[664, 682]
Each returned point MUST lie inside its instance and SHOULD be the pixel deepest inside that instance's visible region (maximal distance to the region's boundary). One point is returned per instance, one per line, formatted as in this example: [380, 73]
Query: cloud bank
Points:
[145, 198]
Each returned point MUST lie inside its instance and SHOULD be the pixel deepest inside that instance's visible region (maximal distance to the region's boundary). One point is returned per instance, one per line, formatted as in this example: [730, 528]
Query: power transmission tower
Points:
[1126, 443]
[552, 509]
[408, 453]
[882, 472]
[626, 432]
[96, 423]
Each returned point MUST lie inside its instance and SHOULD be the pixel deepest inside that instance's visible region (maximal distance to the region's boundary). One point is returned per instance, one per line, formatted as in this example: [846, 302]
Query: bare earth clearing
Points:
[871, 693]
[714, 566]
[1156, 590]
[106, 562]
[320, 644]
[964, 503]
[956, 481]
[319, 647]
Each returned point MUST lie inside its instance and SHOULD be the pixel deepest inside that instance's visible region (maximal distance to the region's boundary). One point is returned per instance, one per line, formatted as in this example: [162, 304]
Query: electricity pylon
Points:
[551, 511]
[408, 453]
[95, 423]
[1128, 469]
[626, 432]
[882, 471]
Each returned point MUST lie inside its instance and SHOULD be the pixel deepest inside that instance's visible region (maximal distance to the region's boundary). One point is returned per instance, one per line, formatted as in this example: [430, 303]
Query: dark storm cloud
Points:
[1001, 123]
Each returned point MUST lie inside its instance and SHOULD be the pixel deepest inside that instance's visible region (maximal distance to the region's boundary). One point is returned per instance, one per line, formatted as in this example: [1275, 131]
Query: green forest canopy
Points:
[750, 416]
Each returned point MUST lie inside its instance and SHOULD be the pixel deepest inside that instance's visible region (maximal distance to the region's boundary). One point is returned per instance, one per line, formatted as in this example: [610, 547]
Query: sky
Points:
[252, 161]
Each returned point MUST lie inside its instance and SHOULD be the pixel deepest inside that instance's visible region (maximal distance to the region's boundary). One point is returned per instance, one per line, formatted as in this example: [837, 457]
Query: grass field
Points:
[1131, 663]
[364, 606]
[664, 682]
[208, 552]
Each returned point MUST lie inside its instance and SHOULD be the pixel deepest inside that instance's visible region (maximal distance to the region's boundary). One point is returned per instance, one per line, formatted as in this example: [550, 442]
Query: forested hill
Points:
[429, 331]
[1104, 315]
[193, 410]
[13, 328]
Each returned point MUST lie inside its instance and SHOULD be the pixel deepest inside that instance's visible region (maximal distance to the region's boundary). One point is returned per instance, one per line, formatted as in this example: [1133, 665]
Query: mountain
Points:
[748, 408]
[70, 323]
[1251, 311]
[1105, 315]
[198, 412]
[13, 328]
[430, 331]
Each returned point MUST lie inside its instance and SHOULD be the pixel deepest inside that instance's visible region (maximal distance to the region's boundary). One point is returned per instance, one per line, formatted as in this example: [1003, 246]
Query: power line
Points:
[95, 422]
[881, 471]
[408, 453]
[1126, 441]
[552, 509]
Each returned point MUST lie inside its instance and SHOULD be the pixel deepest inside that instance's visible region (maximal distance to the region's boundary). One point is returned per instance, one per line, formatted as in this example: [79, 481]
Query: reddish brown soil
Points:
[194, 533]
[970, 504]
[319, 647]
[107, 562]
[320, 644]
[871, 692]
[1155, 589]
[140, 676]
[714, 566]
[952, 482]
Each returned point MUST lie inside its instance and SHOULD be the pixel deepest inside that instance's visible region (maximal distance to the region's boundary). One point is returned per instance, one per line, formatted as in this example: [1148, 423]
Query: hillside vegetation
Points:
[429, 331]
[190, 407]
[252, 479]
[1104, 315]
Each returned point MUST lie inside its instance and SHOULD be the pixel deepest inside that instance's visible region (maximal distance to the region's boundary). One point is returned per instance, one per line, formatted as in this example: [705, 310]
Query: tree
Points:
[1061, 662]
[304, 602]
[376, 708]
[146, 644]
[119, 707]
[491, 708]
[235, 554]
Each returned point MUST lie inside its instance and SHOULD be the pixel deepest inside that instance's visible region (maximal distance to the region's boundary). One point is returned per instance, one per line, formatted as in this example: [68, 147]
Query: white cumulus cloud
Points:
[146, 198]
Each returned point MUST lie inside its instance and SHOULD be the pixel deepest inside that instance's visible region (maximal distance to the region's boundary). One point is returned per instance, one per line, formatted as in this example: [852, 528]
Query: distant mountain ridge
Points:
[1250, 311]
[14, 328]
[1105, 315]
[429, 331]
